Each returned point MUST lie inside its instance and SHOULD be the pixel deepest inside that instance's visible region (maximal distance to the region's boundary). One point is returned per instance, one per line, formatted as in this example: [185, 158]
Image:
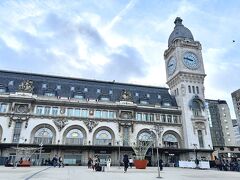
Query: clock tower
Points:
[185, 77]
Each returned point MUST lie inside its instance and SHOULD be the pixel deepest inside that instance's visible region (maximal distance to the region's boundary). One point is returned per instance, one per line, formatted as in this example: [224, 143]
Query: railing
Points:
[103, 142]
[42, 140]
[74, 141]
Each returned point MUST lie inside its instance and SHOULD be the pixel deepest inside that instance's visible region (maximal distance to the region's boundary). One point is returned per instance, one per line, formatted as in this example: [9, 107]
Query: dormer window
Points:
[11, 83]
[85, 89]
[49, 94]
[110, 91]
[98, 90]
[44, 86]
[159, 96]
[2, 89]
[104, 99]
[58, 87]
[78, 96]
[136, 94]
[166, 104]
[148, 95]
[144, 102]
[72, 88]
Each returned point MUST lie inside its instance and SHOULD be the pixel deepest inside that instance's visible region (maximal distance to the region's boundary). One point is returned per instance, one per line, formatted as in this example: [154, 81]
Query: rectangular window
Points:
[39, 110]
[175, 119]
[70, 112]
[139, 116]
[3, 107]
[193, 89]
[55, 111]
[98, 90]
[104, 114]
[163, 118]
[2, 90]
[144, 117]
[47, 110]
[197, 90]
[169, 118]
[77, 112]
[112, 114]
[110, 91]
[84, 113]
[17, 132]
[85, 89]
[78, 96]
[200, 138]
[189, 89]
[97, 113]
[151, 117]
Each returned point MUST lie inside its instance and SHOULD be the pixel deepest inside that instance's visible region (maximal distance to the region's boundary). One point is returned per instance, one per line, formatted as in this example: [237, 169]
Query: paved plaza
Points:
[72, 173]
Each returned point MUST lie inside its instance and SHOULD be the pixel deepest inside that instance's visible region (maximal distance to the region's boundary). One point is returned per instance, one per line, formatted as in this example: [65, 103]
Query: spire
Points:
[178, 21]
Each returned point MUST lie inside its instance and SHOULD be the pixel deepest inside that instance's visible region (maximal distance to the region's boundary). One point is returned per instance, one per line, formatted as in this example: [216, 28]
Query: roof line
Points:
[81, 79]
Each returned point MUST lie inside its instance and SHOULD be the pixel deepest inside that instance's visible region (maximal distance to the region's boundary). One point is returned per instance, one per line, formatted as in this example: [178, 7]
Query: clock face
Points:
[191, 61]
[171, 65]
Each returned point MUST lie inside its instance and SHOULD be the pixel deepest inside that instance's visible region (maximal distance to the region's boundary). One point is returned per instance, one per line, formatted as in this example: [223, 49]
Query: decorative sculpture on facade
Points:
[126, 115]
[91, 124]
[126, 95]
[60, 123]
[26, 86]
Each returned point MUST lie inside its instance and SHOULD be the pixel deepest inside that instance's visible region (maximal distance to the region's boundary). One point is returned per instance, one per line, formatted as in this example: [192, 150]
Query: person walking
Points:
[130, 162]
[108, 163]
[125, 162]
[60, 160]
[160, 164]
[55, 161]
[90, 161]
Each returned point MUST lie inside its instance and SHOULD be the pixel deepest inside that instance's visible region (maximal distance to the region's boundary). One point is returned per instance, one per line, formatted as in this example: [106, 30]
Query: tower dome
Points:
[180, 31]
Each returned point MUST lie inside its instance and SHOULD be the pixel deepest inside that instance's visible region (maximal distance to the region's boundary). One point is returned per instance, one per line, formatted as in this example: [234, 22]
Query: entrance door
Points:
[72, 159]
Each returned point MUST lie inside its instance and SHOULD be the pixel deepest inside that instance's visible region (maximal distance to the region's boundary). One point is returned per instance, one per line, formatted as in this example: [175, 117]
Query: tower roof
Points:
[180, 31]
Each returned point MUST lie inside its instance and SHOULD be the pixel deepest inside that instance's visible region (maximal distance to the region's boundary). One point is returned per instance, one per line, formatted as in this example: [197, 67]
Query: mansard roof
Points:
[89, 89]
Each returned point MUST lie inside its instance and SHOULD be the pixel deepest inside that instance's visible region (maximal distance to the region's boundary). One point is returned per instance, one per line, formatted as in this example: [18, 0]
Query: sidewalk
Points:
[76, 172]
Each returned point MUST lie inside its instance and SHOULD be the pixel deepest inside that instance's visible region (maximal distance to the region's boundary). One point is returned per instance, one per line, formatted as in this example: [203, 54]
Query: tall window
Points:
[139, 116]
[47, 110]
[77, 112]
[70, 112]
[169, 119]
[163, 117]
[39, 110]
[104, 114]
[3, 107]
[189, 89]
[17, 132]
[55, 111]
[193, 89]
[169, 140]
[84, 113]
[197, 89]
[200, 138]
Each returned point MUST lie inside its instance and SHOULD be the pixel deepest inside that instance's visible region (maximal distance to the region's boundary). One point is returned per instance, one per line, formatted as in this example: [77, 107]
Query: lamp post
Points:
[15, 163]
[158, 129]
[40, 153]
[195, 150]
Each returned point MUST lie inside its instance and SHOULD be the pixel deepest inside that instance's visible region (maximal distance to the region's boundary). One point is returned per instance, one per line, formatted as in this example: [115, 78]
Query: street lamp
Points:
[40, 153]
[158, 129]
[15, 163]
[195, 150]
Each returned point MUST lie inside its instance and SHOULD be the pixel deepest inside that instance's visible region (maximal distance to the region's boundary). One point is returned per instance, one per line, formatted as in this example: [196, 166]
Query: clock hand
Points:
[170, 65]
[188, 59]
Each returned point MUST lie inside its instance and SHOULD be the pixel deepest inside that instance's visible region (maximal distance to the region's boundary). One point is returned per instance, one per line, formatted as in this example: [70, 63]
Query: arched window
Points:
[74, 136]
[43, 136]
[169, 140]
[145, 136]
[103, 137]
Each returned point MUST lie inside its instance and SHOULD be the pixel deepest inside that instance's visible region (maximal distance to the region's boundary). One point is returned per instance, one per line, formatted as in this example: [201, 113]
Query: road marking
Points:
[36, 173]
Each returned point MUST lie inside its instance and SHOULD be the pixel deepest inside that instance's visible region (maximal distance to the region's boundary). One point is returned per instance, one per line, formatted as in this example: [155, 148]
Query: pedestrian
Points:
[108, 163]
[130, 162]
[125, 162]
[89, 162]
[160, 164]
[60, 160]
[55, 161]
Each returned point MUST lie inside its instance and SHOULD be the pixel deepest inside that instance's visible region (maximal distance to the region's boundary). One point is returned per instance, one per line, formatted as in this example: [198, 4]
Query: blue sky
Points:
[119, 40]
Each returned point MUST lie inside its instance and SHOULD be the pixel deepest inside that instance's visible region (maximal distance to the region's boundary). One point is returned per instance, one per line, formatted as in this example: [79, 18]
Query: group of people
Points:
[57, 161]
[223, 164]
[95, 164]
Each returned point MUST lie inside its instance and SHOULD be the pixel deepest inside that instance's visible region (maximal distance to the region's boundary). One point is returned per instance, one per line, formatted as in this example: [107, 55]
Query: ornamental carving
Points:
[126, 95]
[60, 123]
[91, 124]
[21, 108]
[126, 115]
[18, 117]
[125, 124]
[26, 86]
[199, 126]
